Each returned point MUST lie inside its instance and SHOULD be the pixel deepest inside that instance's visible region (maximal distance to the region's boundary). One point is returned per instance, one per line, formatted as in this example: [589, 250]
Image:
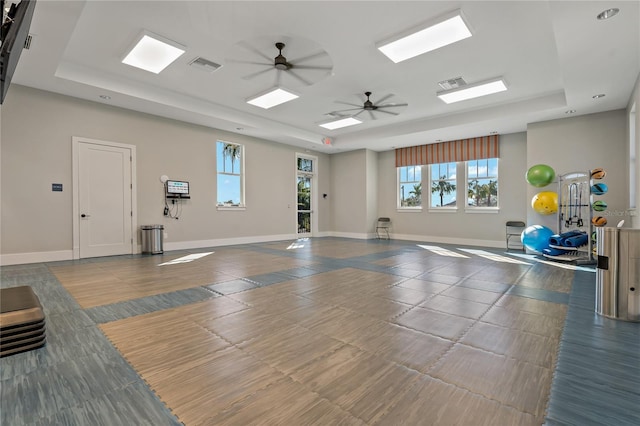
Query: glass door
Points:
[305, 196]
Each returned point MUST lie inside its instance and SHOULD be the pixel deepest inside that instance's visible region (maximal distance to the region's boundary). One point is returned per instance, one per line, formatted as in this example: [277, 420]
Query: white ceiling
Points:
[554, 56]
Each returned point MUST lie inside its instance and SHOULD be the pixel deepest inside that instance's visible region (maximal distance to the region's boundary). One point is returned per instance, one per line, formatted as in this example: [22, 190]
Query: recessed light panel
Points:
[343, 122]
[153, 53]
[447, 30]
[272, 98]
[473, 91]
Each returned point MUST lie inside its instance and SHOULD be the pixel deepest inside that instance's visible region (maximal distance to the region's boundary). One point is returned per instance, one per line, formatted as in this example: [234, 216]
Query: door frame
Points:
[314, 194]
[75, 173]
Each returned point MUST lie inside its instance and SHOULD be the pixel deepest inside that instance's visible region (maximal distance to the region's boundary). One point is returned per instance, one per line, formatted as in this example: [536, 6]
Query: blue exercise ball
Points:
[536, 237]
[599, 188]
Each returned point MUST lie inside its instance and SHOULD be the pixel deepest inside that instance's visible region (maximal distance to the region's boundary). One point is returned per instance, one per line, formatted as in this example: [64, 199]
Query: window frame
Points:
[482, 209]
[241, 174]
[399, 184]
[436, 209]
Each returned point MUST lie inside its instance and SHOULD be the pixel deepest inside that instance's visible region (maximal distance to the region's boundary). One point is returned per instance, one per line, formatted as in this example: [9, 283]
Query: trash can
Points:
[152, 239]
[618, 273]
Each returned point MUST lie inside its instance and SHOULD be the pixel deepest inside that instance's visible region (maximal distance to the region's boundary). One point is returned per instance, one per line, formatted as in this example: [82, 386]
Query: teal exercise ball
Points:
[536, 237]
[599, 188]
[540, 175]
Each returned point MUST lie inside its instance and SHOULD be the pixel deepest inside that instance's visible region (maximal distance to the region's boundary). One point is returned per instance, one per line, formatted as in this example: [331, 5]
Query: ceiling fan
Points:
[291, 67]
[383, 105]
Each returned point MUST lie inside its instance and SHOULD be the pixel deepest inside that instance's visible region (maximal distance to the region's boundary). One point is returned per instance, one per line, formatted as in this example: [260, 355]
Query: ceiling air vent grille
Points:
[27, 42]
[452, 83]
[204, 64]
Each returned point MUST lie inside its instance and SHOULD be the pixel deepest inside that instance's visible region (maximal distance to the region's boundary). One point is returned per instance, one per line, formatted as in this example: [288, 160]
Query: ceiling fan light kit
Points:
[272, 97]
[471, 91]
[153, 53]
[441, 32]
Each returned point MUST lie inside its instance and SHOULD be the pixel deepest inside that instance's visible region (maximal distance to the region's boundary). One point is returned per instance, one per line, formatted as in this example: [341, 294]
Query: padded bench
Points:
[22, 322]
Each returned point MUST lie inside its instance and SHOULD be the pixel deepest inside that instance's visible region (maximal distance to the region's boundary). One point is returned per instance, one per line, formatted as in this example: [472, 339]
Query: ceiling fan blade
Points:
[310, 67]
[373, 117]
[309, 57]
[391, 105]
[387, 112]
[298, 77]
[355, 115]
[254, 50]
[255, 74]
[234, 61]
[347, 110]
[348, 103]
[384, 98]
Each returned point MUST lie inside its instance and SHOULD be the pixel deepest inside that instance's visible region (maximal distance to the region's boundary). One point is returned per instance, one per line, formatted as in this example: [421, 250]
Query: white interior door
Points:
[104, 199]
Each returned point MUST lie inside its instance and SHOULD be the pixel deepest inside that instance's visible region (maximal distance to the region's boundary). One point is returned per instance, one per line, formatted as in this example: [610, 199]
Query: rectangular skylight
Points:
[473, 91]
[338, 124]
[444, 31]
[153, 53]
[273, 97]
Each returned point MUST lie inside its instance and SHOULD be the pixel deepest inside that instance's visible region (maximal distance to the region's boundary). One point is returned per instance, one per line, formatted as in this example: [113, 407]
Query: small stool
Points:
[22, 323]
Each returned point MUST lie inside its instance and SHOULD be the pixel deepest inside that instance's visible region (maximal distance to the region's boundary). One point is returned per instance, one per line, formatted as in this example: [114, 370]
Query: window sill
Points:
[409, 209]
[231, 208]
[483, 210]
[443, 210]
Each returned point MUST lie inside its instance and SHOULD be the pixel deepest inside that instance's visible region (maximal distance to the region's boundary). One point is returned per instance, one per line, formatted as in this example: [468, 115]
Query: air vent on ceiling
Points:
[452, 83]
[27, 42]
[204, 64]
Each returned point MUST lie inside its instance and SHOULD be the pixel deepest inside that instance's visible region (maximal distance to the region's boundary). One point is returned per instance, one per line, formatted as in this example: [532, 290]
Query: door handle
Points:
[84, 215]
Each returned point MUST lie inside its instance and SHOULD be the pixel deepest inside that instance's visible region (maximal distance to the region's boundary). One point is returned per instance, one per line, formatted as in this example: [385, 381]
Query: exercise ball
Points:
[536, 237]
[540, 175]
[545, 202]
[599, 205]
[598, 173]
[599, 221]
[599, 188]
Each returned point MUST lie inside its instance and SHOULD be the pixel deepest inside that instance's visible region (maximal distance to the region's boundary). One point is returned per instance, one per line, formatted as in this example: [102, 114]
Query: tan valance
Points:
[449, 152]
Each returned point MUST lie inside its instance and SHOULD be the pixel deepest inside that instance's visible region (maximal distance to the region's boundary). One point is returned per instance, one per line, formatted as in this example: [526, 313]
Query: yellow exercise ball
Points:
[545, 202]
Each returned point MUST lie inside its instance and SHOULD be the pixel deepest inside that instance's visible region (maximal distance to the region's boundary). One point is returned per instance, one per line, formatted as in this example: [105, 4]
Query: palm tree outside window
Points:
[230, 174]
[443, 184]
[410, 187]
[482, 183]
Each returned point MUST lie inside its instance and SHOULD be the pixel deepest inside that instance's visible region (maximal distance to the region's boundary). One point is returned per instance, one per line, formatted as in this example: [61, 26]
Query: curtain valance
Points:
[449, 152]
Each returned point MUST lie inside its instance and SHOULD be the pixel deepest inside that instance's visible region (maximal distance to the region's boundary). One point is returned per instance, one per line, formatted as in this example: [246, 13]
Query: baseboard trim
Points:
[37, 257]
[198, 244]
[61, 255]
[449, 240]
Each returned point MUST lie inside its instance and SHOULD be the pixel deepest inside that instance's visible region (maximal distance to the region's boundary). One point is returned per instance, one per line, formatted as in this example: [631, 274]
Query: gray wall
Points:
[35, 151]
[579, 144]
[37, 128]
[349, 183]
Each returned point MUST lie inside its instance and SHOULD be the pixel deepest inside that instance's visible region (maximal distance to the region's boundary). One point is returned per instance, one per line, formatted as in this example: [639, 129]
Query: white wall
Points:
[460, 226]
[580, 144]
[36, 133]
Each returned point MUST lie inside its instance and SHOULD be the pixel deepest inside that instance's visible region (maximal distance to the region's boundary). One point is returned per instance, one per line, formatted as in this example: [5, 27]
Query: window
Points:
[443, 185]
[230, 159]
[482, 183]
[410, 186]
